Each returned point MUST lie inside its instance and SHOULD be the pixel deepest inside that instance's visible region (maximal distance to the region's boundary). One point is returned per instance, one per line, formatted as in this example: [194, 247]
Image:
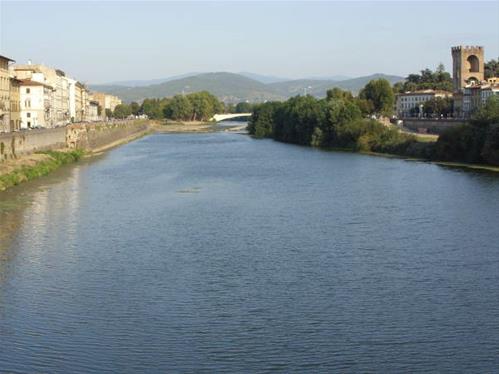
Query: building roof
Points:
[29, 82]
[6, 58]
[14, 79]
[33, 68]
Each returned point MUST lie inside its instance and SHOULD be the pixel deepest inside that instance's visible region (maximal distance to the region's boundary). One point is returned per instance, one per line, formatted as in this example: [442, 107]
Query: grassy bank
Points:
[46, 163]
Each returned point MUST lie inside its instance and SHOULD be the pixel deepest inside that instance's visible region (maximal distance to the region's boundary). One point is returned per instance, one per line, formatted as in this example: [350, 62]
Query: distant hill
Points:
[147, 82]
[263, 78]
[355, 84]
[233, 88]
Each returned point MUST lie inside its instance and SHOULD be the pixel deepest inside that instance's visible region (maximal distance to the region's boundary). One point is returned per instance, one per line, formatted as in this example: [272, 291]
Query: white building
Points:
[407, 102]
[35, 100]
[64, 101]
[488, 91]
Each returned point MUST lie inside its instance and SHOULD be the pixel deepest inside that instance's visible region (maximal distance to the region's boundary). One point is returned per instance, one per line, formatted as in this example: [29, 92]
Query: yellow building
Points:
[15, 109]
[4, 94]
[106, 101]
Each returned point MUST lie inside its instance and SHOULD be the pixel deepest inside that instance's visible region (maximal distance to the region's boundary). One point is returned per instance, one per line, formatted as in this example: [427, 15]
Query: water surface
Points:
[221, 253]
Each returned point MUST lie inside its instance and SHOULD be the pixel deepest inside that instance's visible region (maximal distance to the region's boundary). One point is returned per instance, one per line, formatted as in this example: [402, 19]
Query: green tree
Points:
[179, 108]
[261, 123]
[438, 106]
[243, 107]
[122, 111]
[338, 93]
[487, 114]
[379, 92]
[492, 69]
[152, 108]
[109, 113]
[134, 108]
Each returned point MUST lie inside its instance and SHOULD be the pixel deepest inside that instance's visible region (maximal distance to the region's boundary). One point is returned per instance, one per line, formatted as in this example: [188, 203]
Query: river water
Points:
[221, 253]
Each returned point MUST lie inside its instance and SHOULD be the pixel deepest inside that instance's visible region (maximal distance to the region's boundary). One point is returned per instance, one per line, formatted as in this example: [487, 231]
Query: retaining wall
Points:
[86, 136]
[431, 126]
[102, 135]
[15, 144]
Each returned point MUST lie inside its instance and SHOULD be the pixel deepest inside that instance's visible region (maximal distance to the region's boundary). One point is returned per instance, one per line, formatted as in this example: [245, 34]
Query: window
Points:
[28, 115]
[28, 90]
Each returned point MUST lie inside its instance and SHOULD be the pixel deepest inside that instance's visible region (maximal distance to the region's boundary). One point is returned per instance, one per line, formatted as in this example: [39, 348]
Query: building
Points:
[471, 89]
[467, 66]
[35, 104]
[106, 101]
[409, 103]
[487, 91]
[60, 104]
[15, 104]
[92, 111]
[81, 102]
[4, 94]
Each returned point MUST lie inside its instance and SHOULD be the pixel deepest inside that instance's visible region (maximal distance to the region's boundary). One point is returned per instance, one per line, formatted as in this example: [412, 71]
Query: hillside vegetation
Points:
[234, 88]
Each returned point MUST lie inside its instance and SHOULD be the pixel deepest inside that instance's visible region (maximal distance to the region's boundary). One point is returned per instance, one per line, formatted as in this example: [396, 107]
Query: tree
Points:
[109, 113]
[492, 69]
[438, 106]
[204, 106]
[153, 108]
[134, 108]
[427, 79]
[261, 123]
[243, 107]
[122, 111]
[179, 108]
[487, 114]
[379, 92]
[338, 93]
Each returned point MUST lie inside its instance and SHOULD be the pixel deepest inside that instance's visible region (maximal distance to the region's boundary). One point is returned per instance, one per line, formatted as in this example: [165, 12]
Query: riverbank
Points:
[66, 145]
[457, 165]
[32, 154]
[184, 127]
[26, 168]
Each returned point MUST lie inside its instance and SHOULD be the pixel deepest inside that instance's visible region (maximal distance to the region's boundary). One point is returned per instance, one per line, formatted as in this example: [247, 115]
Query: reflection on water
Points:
[220, 253]
[51, 199]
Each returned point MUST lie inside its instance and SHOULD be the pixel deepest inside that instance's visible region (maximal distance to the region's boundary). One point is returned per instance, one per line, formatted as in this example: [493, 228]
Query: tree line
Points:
[197, 106]
[343, 121]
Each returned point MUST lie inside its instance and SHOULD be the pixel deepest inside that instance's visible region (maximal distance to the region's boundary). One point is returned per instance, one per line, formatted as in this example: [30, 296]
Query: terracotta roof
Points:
[29, 82]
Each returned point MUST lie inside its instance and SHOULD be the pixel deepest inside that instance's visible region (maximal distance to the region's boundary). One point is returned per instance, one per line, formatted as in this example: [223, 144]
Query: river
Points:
[221, 253]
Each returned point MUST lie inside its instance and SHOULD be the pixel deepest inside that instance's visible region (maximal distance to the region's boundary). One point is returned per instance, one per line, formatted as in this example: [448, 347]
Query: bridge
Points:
[223, 117]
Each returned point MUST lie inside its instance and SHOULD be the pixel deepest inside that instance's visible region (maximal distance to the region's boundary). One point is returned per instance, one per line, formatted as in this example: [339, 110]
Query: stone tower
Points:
[467, 65]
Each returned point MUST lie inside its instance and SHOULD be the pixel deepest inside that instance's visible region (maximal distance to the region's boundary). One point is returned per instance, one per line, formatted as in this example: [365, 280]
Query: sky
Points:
[108, 41]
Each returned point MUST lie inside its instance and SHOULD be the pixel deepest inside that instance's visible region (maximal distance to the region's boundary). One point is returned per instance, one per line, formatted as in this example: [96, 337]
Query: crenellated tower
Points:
[467, 66]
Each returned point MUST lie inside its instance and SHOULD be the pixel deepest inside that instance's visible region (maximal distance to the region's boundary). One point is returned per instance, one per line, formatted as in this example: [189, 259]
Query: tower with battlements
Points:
[467, 66]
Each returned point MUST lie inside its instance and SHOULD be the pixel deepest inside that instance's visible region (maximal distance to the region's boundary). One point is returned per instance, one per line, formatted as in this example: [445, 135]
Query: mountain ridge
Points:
[237, 87]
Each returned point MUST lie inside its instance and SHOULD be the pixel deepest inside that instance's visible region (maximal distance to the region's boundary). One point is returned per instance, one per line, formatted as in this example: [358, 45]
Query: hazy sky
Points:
[109, 41]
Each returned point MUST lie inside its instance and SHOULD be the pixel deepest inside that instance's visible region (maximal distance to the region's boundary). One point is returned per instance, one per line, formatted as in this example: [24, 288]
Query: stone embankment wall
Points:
[102, 135]
[14, 144]
[93, 136]
[431, 126]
